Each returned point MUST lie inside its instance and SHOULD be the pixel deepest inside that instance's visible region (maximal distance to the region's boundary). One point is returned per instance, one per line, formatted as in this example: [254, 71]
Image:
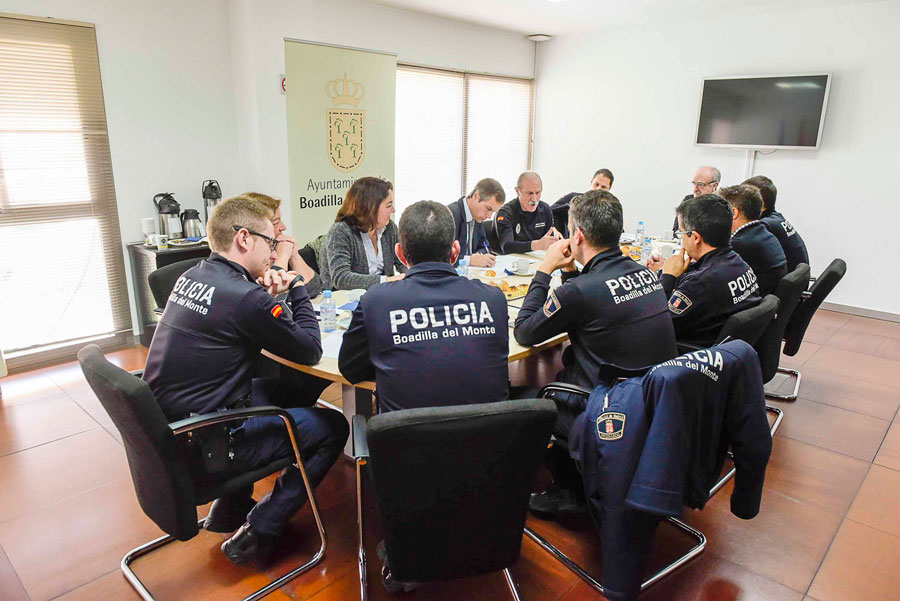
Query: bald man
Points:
[526, 223]
[706, 181]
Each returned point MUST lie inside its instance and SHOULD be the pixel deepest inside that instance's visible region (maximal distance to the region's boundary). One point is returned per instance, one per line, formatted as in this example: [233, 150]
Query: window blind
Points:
[62, 274]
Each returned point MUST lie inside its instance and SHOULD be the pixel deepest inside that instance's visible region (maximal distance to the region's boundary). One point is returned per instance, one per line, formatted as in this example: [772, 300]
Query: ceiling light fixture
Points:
[539, 37]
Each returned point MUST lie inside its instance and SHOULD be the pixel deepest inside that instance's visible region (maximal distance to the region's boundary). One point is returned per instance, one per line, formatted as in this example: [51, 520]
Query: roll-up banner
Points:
[340, 124]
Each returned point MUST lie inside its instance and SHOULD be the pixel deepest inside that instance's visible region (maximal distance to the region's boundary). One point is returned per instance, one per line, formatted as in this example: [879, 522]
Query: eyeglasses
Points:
[272, 241]
[704, 184]
[679, 233]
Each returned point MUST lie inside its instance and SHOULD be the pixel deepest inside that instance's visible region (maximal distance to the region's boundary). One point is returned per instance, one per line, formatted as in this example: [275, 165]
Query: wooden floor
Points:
[828, 530]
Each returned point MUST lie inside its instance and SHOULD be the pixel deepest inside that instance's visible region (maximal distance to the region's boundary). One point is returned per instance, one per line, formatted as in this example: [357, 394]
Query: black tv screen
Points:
[763, 112]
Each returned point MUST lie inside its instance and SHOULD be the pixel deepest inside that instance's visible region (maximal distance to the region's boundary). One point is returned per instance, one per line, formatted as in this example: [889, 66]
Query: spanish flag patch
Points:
[500, 217]
[277, 311]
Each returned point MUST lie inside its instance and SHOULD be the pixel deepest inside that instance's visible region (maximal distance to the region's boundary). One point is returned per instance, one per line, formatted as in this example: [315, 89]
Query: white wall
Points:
[628, 99]
[259, 28]
[166, 71]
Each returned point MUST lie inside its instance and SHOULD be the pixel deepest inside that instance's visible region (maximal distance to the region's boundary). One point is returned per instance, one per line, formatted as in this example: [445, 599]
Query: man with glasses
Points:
[219, 316]
[706, 181]
[706, 281]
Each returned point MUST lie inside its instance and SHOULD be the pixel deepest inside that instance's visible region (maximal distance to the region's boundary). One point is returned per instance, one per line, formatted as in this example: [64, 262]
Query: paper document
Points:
[331, 344]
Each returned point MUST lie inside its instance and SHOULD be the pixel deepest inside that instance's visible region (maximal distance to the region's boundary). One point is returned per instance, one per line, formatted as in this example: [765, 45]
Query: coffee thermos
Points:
[191, 224]
[212, 194]
[169, 215]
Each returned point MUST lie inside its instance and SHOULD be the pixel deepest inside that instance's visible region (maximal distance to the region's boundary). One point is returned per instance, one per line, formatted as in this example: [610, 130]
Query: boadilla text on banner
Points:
[340, 119]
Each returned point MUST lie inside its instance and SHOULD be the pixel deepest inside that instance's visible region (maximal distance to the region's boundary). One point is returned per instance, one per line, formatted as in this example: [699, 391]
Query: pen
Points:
[487, 250]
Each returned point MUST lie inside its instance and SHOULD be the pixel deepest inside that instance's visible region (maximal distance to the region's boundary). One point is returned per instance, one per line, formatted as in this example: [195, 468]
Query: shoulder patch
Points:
[277, 311]
[518, 228]
[552, 305]
[501, 218]
[679, 303]
[611, 425]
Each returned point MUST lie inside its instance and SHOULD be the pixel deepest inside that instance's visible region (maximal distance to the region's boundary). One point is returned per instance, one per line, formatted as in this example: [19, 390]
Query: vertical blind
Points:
[62, 276]
[453, 129]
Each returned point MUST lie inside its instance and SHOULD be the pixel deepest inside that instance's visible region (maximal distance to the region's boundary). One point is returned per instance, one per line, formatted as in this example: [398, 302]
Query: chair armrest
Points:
[158, 310]
[139, 373]
[684, 347]
[359, 428]
[563, 387]
[208, 419]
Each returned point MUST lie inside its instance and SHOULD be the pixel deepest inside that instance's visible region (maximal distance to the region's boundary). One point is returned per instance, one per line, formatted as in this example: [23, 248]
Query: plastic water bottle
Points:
[463, 267]
[646, 249]
[329, 313]
[639, 236]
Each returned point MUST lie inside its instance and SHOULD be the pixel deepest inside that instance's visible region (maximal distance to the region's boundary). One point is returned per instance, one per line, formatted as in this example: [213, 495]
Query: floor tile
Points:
[24, 388]
[784, 543]
[111, 586]
[807, 350]
[889, 453]
[11, 588]
[885, 347]
[870, 325]
[860, 396]
[802, 471]
[878, 503]
[861, 566]
[856, 365]
[39, 422]
[75, 541]
[67, 467]
[832, 428]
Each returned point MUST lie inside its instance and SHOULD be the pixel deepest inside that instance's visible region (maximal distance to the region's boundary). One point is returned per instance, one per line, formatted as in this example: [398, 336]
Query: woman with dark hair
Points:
[359, 248]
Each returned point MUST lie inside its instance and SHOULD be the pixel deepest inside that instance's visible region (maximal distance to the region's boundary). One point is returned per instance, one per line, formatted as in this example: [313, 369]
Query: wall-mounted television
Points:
[763, 112]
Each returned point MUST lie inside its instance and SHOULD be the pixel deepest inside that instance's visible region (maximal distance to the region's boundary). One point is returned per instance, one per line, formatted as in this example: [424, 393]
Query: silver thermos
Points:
[168, 211]
[212, 194]
[191, 224]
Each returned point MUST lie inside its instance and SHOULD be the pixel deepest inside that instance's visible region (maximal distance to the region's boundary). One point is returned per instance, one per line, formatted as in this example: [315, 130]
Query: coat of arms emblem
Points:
[346, 127]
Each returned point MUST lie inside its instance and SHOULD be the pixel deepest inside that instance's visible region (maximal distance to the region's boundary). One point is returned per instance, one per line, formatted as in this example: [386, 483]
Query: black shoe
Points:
[392, 586]
[248, 546]
[555, 501]
[226, 516]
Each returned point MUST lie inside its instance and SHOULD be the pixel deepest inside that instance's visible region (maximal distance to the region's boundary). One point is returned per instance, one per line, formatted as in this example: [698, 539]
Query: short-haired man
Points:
[794, 248]
[602, 180]
[526, 223]
[469, 214]
[416, 336]
[751, 240]
[218, 317]
[614, 311]
[706, 280]
[706, 181]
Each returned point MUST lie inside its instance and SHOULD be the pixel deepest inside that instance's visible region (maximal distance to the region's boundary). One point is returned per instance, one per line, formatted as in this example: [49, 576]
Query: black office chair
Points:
[809, 303]
[768, 347]
[747, 325]
[162, 281]
[165, 488]
[308, 254]
[492, 235]
[610, 374]
[451, 486]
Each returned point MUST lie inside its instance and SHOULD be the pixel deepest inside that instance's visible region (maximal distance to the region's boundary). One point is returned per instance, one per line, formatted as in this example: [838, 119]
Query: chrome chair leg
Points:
[513, 588]
[794, 393]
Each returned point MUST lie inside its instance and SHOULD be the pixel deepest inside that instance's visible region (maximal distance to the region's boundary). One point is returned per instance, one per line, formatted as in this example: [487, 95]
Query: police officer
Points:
[614, 311]
[718, 283]
[469, 214]
[526, 223]
[218, 317]
[794, 248]
[415, 336]
[751, 240]
[706, 181]
[602, 180]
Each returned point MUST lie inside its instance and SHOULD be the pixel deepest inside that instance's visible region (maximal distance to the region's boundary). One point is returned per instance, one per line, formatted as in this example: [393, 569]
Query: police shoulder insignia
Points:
[611, 425]
[501, 218]
[518, 228]
[679, 303]
[552, 304]
[276, 311]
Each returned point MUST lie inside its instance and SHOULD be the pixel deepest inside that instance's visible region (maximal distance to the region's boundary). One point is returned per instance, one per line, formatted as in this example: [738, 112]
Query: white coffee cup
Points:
[148, 227]
[522, 265]
[160, 241]
[666, 250]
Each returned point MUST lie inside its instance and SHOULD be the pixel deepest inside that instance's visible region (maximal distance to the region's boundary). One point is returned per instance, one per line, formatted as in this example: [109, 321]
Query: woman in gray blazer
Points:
[359, 248]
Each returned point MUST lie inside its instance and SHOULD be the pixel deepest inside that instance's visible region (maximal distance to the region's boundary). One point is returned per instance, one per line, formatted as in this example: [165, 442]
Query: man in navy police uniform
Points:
[794, 248]
[706, 280]
[602, 180]
[614, 311]
[469, 214]
[526, 222]
[435, 338]
[218, 317]
[751, 240]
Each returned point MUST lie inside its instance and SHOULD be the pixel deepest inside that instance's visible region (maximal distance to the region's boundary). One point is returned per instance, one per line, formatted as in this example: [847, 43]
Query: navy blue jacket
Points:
[215, 323]
[788, 236]
[432, 339]
[761, 251]
[675, 223]
[517, 228]
[649, 446]
[560, 210]
[708, 293]
[614, 311]
[479, 240]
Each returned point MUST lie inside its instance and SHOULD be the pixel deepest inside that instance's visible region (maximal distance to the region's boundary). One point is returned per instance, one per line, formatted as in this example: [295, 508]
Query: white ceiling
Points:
[571, 16]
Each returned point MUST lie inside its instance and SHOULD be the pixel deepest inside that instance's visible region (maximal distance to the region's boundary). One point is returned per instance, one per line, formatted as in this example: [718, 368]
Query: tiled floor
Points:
[829, 528]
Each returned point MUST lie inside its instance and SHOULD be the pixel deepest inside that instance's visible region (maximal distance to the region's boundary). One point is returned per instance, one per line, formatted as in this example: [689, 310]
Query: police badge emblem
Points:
[679, 303]
[611, 425]
[346, 144]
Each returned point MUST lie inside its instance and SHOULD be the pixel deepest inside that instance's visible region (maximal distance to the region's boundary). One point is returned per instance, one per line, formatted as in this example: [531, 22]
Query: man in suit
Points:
[469, 213]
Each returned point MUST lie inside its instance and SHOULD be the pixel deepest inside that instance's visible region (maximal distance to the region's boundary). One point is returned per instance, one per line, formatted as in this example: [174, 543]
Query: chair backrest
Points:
[162, 483]
[492, 235]
[308, 254]
[810, 303]
[452, 484]
[162, 280]
[749, 324]
[789, 290]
